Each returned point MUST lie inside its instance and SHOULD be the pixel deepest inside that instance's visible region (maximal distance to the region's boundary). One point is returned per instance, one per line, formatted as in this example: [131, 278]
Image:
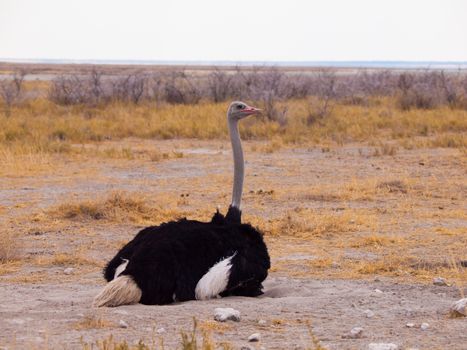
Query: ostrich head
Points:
[239, 110]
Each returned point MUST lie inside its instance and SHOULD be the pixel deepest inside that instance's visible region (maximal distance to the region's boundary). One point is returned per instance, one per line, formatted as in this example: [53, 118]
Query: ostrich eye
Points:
[240, 106]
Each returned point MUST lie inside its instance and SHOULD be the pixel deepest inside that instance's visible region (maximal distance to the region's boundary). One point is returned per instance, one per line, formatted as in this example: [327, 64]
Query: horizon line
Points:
[299, 63]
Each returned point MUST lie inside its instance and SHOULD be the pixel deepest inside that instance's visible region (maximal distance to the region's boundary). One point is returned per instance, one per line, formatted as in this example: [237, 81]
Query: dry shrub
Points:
[110, 343]
[326, 92]
[392, 264]
[305, 223]
[393, 186]
[449, 141]
[117, 207]
[9, 246]
[377, 241]
[92, 322]
[11, 90]
[96, 85]
[355, 190]
[66, 259]
[431, 89]
[385, 149]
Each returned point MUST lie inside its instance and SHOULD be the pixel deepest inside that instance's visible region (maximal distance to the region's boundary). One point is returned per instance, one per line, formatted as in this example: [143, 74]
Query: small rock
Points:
[439, 281]
[68, 271]
[382, 346]
[378, 291]
[354, 333]
[424, 326]
[459, 308]
[410, 325]
[225, 314]
[122, 324]
[369, 313]
[161, 330]
[254, 337]
[377, 279]
[247, 348]
[262, 322]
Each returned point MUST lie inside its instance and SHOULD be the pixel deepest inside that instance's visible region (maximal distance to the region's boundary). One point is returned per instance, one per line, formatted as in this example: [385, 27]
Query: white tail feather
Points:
[215, 280]
[120, 291]
[121, 268]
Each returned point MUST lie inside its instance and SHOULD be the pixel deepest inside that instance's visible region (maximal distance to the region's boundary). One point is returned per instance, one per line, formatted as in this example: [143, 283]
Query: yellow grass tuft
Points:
[304, 223]
[116, 207]
[208, 326]
[9, 246]
[66, 259]
[92, 322]
[377, 241]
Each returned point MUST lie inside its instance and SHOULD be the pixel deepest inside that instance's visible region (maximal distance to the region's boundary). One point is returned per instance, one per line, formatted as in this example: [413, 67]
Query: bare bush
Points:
[11, 90]
[96, 89]
[129, 88]
[268, 87]
[67, 90]
[219, 85]
[181, 89]
[271, 109]
[430, 89]
[93, 89]
[326, 93]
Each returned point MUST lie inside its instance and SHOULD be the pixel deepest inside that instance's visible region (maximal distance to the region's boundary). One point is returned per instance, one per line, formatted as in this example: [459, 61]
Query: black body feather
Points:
[167, 261]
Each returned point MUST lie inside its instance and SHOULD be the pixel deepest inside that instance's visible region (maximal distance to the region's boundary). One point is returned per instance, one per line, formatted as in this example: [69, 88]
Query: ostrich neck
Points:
[238, 163]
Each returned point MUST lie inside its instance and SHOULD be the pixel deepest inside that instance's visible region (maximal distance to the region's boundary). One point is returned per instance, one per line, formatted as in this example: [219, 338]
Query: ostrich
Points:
[187, 259]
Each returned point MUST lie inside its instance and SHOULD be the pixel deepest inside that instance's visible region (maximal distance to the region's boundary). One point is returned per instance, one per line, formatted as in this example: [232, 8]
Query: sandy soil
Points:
[42, 307]
[46, 313]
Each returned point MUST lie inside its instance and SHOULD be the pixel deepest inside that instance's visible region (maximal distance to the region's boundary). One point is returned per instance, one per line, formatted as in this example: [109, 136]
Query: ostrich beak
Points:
[251, 110]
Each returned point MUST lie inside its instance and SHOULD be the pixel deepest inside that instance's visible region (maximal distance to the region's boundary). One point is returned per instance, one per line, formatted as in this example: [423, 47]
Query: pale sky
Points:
[240, 30]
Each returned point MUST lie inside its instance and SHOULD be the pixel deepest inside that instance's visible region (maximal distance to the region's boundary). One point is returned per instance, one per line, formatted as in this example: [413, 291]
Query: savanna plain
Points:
[356, 177]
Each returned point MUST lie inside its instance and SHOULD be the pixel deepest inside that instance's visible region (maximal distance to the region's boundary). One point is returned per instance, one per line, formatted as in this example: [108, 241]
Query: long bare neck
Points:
[239, 170]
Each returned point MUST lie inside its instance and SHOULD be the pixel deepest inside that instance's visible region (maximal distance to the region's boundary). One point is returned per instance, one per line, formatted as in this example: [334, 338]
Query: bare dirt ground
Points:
[348, 230]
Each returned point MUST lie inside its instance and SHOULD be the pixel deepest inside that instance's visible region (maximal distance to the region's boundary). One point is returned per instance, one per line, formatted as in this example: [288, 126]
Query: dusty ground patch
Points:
[340, 223]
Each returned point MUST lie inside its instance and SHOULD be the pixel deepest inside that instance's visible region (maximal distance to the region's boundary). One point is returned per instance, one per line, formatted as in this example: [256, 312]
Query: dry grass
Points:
[306, 223]
[117, 207]
[385, 149]
[189, 340]
[367, 189]
[110, 343]
[9, 267]
[9, 246]
[92, 322]
[208, 326]
[66, 259]
[42, 127]
[377, 241]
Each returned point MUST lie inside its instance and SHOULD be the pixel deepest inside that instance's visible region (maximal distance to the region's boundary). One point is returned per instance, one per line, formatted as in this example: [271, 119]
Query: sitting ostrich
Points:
[187, 259]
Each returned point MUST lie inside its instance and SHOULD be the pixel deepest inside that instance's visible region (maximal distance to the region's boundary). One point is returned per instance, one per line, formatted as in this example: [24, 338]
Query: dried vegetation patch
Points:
[93, 322]
[9, 246]
[120, 207]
